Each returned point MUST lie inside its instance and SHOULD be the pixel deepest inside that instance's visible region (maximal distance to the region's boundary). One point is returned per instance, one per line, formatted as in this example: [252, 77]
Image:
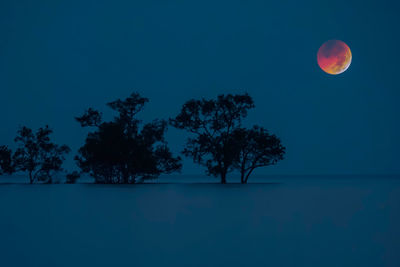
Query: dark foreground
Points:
[334, 222]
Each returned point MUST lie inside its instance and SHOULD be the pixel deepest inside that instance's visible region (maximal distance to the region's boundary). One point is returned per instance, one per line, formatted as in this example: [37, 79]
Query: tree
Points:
[72, 177]
[257, 148]
[6, 165]
[212, 122]
[121, 151]
[37, 155]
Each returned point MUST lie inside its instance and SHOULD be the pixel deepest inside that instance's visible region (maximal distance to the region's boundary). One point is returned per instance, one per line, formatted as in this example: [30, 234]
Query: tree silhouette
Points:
[213, 122]
[72, 177]
[37, 155]
[6, 165]
[120, 151]
[90, 118]
[256, 148]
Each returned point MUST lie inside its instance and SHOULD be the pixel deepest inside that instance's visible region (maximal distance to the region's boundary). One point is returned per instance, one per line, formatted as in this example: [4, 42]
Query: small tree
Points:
[121, 151]
[213, 122]
[6, 165]
[257, 148]
[37, 155]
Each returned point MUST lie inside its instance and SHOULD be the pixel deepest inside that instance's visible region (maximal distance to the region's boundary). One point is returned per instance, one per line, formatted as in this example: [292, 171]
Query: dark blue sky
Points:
[59, 57]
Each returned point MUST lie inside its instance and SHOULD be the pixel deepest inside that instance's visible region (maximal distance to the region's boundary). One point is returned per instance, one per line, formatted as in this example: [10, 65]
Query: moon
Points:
[334, 57]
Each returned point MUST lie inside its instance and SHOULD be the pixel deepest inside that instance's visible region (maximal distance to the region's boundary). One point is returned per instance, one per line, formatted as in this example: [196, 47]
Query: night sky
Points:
[58, 58]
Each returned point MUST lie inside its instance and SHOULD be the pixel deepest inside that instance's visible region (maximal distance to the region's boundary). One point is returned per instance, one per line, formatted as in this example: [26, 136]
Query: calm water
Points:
[303, 221]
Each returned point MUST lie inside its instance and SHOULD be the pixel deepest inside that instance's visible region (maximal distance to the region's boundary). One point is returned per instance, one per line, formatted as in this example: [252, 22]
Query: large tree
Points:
[256, 148]
[123, 151]
[212, 123]
[37, 155]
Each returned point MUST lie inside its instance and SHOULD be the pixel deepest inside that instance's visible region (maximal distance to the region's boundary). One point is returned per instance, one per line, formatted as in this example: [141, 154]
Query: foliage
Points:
[213, 122]
[6, 165]
[72, 177]
[90, 118]
[37, 155]
[120, 151]
[257, 148]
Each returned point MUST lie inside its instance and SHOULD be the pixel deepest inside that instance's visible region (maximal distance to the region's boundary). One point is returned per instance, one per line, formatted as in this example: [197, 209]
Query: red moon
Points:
[334, 57]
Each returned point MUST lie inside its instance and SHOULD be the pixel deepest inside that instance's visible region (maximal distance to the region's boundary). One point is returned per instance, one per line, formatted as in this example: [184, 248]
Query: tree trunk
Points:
[242, 173]
[247, 176]
[223, 178]
[30, 178]
[125, 178]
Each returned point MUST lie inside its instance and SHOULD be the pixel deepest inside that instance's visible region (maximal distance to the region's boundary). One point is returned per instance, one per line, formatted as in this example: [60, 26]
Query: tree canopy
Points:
[126, 150]
[212, 122]
[220, 143]
[256, 148]
[6, 165]
[123, 151]
[37, 155]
